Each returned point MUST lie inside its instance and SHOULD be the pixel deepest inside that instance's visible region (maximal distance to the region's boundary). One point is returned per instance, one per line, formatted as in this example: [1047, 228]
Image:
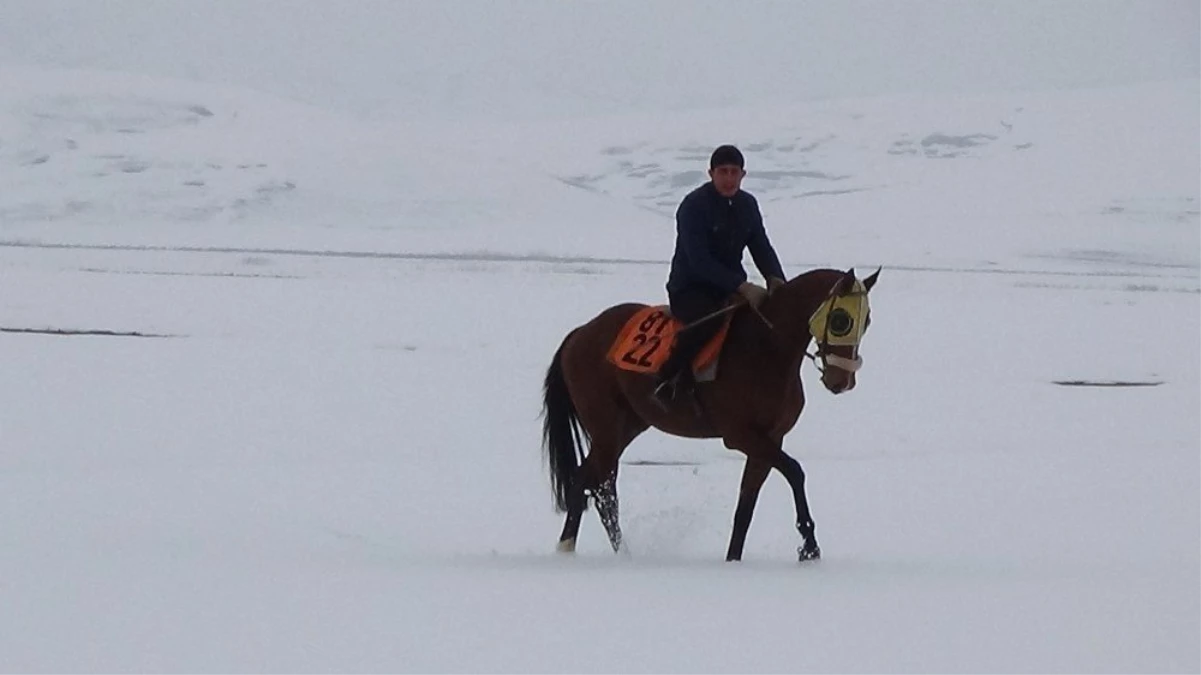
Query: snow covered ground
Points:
[320, 452]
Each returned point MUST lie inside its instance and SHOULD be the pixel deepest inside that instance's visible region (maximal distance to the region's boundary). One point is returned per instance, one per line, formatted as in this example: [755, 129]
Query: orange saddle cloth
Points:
[646, 341]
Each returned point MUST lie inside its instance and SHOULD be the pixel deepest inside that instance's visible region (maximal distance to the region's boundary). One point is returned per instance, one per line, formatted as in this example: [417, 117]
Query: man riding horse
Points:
[597, 397]
[715, 223]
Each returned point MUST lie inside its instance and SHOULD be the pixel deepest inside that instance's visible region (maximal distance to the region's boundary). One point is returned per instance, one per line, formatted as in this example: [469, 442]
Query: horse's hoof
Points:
[807, 553]
[566, 546]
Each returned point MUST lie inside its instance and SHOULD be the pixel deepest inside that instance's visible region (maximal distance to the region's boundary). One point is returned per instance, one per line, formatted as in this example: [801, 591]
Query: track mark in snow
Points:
[660, 462]
[73, 332]
[1107, 383]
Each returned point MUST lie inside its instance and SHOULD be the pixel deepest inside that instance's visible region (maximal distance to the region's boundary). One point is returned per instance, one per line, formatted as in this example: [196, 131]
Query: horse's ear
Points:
[871, 280]
[846, 283]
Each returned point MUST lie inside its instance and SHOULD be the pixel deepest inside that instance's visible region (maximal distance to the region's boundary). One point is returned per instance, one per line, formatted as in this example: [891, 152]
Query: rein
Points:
[726, 310]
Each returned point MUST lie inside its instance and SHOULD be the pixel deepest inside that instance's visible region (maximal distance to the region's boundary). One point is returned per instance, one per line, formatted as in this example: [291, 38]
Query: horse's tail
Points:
[562, 437]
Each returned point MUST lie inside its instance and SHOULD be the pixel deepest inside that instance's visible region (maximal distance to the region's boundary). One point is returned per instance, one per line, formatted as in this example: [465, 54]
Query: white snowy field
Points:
[333, 466]
[320, 451]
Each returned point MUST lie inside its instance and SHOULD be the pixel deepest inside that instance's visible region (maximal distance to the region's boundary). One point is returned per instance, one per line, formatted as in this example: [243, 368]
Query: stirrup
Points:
[666, 392]
[667, 389]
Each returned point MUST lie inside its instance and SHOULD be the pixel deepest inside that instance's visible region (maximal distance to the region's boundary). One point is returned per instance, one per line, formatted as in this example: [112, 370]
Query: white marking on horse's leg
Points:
[567, 546]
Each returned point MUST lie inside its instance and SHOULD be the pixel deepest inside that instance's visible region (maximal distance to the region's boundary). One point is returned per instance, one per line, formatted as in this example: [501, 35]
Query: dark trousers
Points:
[689, 305]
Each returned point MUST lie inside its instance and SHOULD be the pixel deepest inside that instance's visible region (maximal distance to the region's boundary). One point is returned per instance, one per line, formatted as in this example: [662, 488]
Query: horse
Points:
[753, 401]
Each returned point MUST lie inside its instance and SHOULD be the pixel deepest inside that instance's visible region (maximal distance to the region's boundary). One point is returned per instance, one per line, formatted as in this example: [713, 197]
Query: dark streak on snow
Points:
[86, 332]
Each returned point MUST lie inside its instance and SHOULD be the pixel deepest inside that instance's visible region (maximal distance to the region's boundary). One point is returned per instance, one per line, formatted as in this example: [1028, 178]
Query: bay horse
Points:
[754, 400]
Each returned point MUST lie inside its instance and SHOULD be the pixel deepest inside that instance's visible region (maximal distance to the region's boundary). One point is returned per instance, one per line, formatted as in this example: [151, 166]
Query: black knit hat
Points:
[726, 154]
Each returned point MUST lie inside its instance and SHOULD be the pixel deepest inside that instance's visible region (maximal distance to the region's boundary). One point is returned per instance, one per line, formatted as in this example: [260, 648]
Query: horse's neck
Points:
[790, 307]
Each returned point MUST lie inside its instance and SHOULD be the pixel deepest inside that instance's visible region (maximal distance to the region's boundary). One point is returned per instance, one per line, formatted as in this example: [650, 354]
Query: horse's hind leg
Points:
[613, 428]
[607, 506]
[603, 492]
[607, 509]
[629, 427]
[575, 512]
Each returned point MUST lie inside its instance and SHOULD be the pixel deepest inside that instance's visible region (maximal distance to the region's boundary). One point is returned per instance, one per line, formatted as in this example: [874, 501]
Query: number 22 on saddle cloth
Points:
[645, 341]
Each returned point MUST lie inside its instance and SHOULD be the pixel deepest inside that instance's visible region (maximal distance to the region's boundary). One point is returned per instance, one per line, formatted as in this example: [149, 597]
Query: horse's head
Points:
[837, 328]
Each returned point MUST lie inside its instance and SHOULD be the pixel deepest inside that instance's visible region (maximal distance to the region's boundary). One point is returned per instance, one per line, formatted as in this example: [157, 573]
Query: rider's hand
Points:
[773, 284]
[754, 293]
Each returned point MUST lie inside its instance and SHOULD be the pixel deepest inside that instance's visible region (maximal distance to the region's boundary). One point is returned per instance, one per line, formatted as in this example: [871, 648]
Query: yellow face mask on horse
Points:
[841, 319]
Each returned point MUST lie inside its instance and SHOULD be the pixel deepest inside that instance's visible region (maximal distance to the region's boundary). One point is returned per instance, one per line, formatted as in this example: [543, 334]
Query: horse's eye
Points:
[840, 323]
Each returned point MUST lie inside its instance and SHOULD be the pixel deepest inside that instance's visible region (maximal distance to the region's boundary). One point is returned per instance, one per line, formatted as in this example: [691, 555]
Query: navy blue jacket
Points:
[712, 232]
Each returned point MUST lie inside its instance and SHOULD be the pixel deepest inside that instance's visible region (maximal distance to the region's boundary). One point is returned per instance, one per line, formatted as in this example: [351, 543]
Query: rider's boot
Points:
[675, 376]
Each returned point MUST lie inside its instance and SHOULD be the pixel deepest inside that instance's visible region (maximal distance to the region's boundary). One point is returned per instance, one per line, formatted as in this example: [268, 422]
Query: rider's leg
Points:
[687, 306]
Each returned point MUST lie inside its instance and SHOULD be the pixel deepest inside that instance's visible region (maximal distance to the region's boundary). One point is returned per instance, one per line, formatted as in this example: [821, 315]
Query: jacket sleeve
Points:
[690, 229]
[761, 249]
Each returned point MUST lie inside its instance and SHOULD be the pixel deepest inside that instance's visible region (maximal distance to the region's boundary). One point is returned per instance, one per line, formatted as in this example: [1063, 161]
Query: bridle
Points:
[829, 359]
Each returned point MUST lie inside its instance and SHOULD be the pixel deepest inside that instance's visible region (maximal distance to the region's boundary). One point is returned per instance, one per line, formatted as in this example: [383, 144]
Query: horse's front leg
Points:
[753, 475]
[767, 451]
[792, 471]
